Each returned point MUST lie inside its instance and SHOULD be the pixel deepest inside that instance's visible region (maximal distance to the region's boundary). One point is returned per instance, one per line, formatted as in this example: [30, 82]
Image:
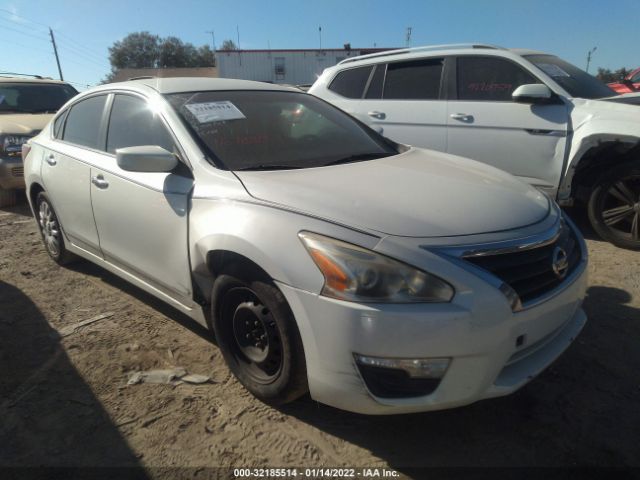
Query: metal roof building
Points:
[293, 67]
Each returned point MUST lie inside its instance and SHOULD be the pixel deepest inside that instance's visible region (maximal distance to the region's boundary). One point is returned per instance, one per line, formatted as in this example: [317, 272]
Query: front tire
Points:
[258, 337]
[614, 206]
[51, 232]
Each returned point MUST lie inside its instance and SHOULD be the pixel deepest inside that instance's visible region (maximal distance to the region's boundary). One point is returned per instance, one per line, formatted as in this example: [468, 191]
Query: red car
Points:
[631, 83]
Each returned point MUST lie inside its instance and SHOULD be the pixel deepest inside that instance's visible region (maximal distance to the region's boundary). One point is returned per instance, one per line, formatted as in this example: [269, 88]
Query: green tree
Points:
[229, 45]
[145, 50]
[608, 76]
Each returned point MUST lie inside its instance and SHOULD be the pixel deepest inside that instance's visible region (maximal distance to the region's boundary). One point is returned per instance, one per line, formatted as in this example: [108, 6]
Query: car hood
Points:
[625, 98]
[419, 193]
[23, 124]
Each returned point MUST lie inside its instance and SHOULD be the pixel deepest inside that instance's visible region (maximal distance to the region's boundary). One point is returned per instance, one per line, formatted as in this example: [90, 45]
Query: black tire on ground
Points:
[258, 336]
[51, 232]
[614, 206]
[8, 198]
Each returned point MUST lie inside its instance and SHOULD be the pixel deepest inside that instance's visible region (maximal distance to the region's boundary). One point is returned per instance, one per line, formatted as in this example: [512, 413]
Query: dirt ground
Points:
[64, 400]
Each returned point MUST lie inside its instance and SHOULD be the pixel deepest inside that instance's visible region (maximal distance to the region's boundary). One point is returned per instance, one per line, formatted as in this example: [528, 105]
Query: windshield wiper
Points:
[268, 167]
[358, 157]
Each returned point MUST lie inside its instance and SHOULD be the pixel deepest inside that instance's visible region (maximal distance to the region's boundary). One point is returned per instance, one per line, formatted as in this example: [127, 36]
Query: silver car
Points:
[380, 278]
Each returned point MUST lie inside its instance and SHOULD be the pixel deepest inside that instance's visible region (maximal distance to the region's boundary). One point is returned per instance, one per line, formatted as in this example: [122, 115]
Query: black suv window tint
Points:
[414, 80]
[350, 83]
[375, 87]
[83, 122]
[133, 123]
[490, 79]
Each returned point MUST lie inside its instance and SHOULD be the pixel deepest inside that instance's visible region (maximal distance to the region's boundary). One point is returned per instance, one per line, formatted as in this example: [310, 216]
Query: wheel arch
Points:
[34, 189]
[594, 154]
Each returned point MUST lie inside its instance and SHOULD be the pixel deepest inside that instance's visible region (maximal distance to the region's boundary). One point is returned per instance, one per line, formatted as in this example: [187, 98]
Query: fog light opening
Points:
[401, 377]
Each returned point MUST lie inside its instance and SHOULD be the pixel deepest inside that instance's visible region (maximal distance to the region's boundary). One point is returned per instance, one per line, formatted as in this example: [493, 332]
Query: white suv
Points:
[382, 278]
[525, 112]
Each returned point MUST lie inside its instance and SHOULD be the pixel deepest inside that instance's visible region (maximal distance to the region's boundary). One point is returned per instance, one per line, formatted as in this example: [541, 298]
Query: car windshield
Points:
[268, 130]
[34, 97]
[578, 83]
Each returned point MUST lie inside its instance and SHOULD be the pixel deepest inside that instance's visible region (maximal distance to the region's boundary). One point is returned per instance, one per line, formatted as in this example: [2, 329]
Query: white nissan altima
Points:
[380, 278]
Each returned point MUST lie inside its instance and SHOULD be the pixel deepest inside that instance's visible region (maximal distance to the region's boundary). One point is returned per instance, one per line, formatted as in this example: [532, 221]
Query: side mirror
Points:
[532, 93]
[146, 158]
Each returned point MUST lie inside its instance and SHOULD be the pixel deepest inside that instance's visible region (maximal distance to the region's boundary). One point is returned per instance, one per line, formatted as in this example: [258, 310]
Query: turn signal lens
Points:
[356, 274]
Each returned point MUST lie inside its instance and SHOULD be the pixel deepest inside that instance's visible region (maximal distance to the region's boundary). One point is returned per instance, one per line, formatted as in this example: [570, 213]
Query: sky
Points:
[84, 30]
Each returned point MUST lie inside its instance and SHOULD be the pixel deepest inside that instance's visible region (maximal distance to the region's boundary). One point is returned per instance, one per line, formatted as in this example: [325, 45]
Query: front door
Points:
[484, 123]
[142, 216]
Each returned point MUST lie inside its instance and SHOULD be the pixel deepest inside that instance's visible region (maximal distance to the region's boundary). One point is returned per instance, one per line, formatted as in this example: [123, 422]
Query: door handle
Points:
[99, 181]
[378, 115]
[51, 159]
[463, 117]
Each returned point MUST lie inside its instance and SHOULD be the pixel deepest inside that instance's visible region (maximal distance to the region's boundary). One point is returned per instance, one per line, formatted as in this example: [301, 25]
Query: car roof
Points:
[8, 79]
[434, 50]
[195, 84]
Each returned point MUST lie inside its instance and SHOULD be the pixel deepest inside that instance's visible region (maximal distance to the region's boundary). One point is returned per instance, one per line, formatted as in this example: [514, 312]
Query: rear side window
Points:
[375, 86]
[414, 80]
[57, 125]
[489, 79]
[133, 123]
[83, 122]
[350, 83]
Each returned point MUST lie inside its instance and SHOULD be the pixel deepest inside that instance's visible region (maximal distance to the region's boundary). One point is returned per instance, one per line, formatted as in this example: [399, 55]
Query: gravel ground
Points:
[64, 400]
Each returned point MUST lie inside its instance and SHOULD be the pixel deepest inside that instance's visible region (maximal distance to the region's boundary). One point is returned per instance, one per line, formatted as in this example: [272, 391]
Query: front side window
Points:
[576, 82]
[34, 97]
[414, 80]
[489, 78]
[84, 121]
[350, 83]
[132, 123]
[253, 130]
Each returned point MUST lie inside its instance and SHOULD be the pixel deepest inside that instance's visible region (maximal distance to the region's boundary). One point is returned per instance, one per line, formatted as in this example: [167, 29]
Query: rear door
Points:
[484, 123]
[66, 170]
[142, 216]
[405, 102]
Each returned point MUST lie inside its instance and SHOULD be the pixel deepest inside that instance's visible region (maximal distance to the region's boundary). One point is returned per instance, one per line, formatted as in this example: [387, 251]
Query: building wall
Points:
[295, 67]
[127, 73]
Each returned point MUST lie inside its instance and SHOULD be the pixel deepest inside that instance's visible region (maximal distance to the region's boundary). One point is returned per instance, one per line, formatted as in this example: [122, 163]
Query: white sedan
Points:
[326, 258]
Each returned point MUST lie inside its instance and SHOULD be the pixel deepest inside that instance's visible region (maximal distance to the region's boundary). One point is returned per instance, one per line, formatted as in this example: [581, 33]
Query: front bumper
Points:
[493, 350]
[11, 173]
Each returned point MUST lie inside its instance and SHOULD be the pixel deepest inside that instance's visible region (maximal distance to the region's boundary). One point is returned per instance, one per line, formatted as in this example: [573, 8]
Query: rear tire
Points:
[614, 206]
[51, 232]
[258, 337]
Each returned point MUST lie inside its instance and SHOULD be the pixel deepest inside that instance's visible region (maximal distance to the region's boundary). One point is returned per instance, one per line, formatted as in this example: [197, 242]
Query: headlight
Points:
[356, 274]
[12, 144]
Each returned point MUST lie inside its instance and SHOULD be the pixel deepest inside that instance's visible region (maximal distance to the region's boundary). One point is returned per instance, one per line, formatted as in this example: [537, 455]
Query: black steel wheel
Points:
[258, 336]
[614, 206]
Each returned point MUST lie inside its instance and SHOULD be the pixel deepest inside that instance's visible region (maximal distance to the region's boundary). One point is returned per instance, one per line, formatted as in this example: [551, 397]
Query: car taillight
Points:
[26, 148]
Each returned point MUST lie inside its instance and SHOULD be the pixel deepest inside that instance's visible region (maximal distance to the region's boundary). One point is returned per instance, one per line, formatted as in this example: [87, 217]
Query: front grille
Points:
[17, 171]
[530, 272]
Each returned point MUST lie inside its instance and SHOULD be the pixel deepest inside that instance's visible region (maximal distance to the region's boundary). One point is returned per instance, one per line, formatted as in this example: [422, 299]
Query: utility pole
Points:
[238, 31]
[213, 39]
[55, 50]
[408, 38]
[589, 54]
[320, 35]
